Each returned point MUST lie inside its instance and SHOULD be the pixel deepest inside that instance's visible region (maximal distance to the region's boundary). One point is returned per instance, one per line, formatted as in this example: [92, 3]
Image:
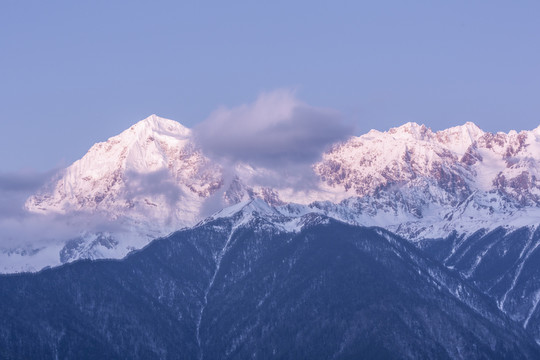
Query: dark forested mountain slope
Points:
[242, 287]
[503, 263]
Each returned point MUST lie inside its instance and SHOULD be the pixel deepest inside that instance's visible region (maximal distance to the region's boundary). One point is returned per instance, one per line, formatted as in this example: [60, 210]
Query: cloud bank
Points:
[17, 226]
[15, 189]
[276, 130]
[22, 229]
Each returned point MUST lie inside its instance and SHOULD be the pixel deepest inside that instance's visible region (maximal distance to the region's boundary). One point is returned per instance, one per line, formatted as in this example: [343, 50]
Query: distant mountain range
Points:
[412, 243]
[153, 179]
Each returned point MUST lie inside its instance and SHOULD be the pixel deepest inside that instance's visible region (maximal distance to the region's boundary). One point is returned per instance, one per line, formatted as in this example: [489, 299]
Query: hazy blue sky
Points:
[73, 73]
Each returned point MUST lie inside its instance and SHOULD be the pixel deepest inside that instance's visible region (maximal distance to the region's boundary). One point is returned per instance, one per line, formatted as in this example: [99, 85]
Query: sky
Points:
[73, 73]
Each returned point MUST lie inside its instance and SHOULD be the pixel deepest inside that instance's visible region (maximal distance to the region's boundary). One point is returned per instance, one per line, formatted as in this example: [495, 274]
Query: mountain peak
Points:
[459, 138]
[247, 207]
[413, 129]
[468, 128]
[536, 131]
[157, 124]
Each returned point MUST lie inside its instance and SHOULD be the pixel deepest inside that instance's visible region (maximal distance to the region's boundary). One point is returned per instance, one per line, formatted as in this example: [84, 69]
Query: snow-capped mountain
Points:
[125, 178]
[144, 183]
[153, 179]
[421, 184]
[449, 165]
